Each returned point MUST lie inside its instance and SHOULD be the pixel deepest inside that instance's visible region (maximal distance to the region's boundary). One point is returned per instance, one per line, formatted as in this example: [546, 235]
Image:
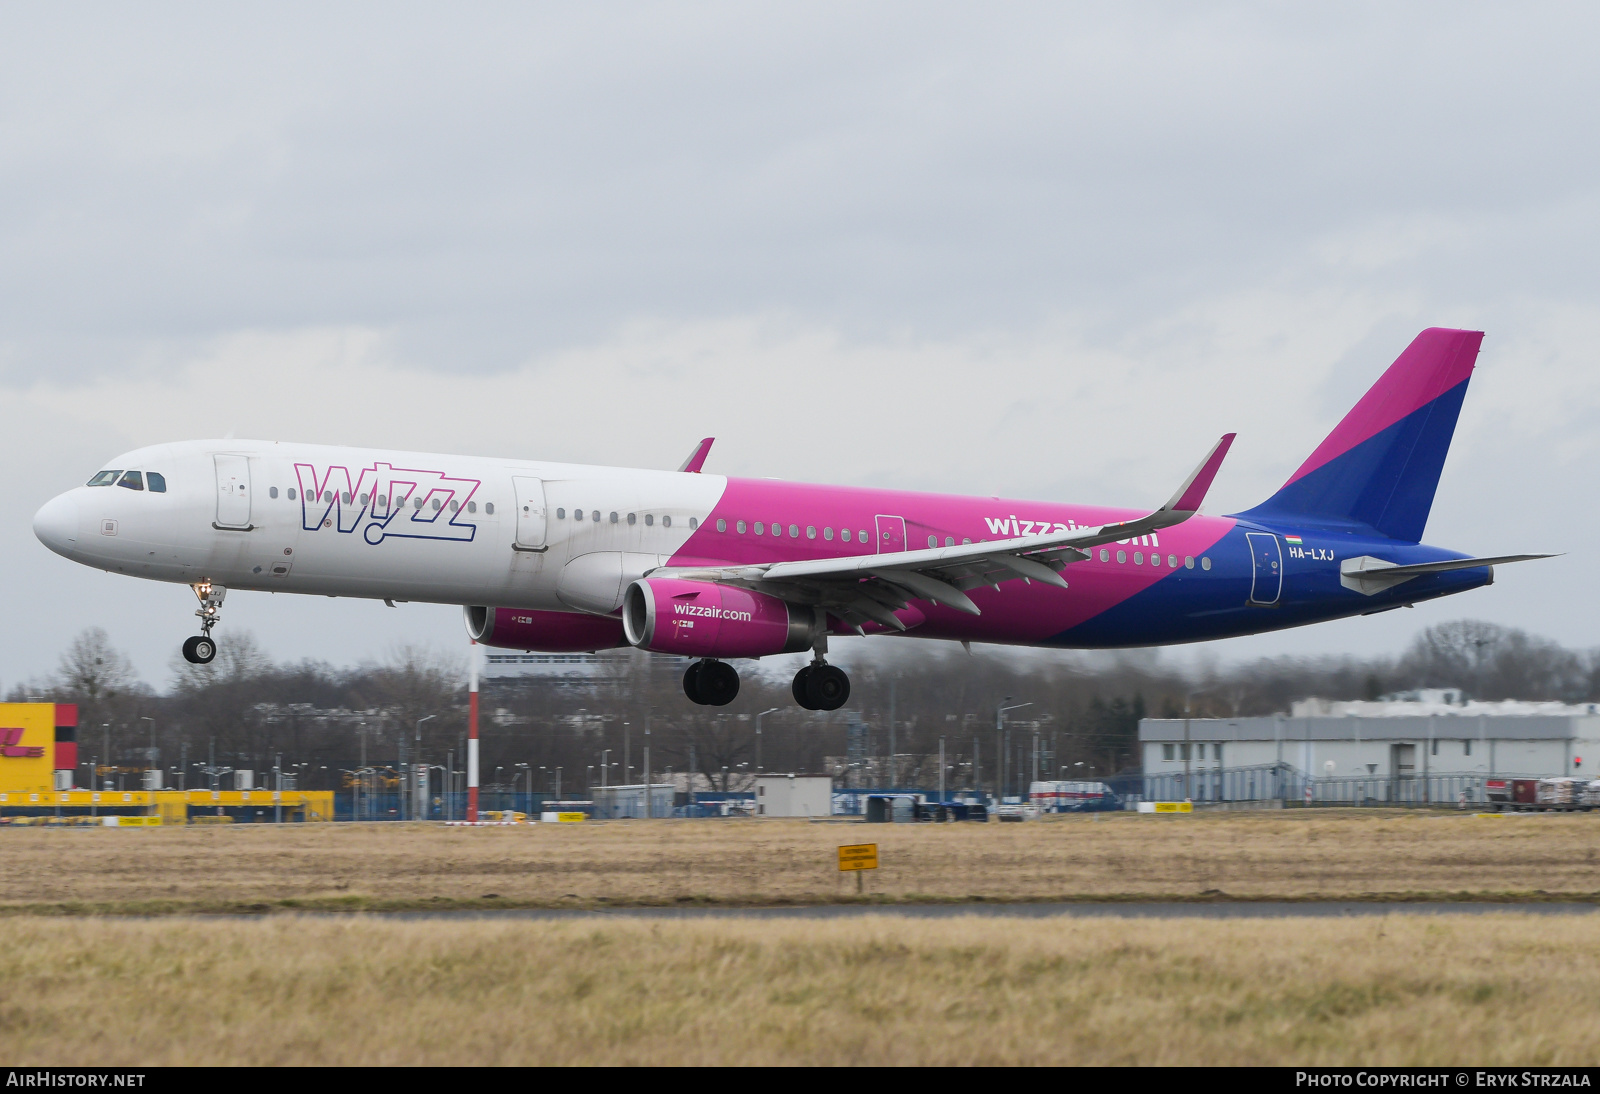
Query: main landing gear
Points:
[711, 683]
[821, 686]
[200, 649]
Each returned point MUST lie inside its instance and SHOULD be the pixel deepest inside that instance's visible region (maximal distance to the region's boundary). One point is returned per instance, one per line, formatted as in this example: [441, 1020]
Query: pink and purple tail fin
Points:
[1380, 466]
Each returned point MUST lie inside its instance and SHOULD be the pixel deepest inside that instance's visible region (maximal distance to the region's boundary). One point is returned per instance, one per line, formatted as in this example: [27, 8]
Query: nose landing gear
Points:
[711, 683]
[200, 649]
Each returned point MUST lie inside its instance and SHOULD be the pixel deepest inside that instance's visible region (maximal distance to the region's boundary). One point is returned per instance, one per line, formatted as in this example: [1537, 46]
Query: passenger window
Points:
[794, 531]
[844, 534]
[472, 507]
[760, 528]
[489, 508]
[666, 521]
[1122, 556]
[363, 499]
[694, 522]
[633, 518]
[949, 541]
[561, 514]
[344, 499]
[965, 539]
[722, 525]
[1172, 562]
[416, 503]
[649, 520]
[132, 481]
[740, 527]
[1138, 558]
[1205, 562]
[827, 534]
[613, 518]
[577, 514]
[933, 541]
[1105, 555]
[595, 516]
[1188, 562]
[291, 493]
[157, 482]
[272, 491]
[327, 498]
[862, 535]
[455, 506]
[811, 531]
[105, 478]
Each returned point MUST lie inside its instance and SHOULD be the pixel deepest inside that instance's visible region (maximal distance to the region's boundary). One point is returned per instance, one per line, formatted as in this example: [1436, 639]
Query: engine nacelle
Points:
[545, 632]
[704, 619]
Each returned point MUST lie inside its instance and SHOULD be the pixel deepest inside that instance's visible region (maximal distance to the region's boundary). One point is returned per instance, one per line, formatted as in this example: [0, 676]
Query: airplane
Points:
[563, 558]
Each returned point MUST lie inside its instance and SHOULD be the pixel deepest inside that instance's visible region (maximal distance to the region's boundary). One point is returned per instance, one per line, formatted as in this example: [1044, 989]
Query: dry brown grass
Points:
[1287, 855]
[1500, 989]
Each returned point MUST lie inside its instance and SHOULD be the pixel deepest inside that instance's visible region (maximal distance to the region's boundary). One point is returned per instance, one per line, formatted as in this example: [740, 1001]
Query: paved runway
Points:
[1130, 910]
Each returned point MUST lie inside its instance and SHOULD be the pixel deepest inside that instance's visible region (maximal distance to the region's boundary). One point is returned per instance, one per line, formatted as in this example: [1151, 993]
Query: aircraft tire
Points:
[691, 682]
[827, 688]
[801, 695]
[199, 650]
[718, 683]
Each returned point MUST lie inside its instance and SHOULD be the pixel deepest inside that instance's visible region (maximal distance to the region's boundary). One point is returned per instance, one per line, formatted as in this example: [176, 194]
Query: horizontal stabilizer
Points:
[1369, 576]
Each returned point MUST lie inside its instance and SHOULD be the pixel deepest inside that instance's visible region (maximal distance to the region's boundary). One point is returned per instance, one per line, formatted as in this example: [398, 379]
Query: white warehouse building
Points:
[1406, 738]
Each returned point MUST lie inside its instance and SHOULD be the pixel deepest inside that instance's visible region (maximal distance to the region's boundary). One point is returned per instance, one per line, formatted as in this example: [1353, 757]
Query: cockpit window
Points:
[132, 481]
[157, 482]
[105, 478]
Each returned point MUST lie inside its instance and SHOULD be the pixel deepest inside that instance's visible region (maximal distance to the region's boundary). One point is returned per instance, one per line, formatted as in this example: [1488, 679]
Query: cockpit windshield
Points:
[132, 481]
[105, 478]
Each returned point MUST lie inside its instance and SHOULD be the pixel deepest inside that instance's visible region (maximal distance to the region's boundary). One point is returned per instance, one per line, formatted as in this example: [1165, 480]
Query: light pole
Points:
[1002, 743]
[150, 764]
[760, 716]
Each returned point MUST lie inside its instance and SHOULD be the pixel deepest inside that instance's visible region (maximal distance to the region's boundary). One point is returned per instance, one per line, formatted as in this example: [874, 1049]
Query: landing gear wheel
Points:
[691, 682]
[199, 650]
[827, 687]
[719, 683]
[801, 696]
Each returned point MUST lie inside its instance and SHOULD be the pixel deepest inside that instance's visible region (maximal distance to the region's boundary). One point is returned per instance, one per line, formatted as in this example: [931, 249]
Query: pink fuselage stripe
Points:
[1436, 360]
[1015, 612]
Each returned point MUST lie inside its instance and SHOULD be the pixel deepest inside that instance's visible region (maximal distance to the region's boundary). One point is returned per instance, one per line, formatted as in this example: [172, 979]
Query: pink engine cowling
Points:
[703, 619]
[545, 632]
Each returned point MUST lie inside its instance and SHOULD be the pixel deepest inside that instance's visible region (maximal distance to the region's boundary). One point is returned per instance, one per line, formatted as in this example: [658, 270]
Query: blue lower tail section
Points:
[1386, 482]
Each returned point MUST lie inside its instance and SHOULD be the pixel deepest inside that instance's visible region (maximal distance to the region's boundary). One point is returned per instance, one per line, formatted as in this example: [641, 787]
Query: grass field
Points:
[1284, 855]
[1504, 988]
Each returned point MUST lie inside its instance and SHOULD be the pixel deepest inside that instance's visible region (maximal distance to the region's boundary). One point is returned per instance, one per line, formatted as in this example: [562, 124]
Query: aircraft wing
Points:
[859, 588]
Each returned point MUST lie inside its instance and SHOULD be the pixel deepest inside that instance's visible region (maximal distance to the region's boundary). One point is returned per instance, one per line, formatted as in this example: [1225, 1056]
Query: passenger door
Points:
[1266, 565]
[233, 492]
[531, 519]
[891, 534]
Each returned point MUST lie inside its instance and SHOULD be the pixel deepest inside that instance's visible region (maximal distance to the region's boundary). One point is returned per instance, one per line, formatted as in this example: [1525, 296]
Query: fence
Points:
[1281, 782]
[394, 806]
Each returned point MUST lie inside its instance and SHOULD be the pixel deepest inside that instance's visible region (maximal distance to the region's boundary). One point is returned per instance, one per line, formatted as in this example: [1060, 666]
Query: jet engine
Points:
[704, 619]
[546, 632]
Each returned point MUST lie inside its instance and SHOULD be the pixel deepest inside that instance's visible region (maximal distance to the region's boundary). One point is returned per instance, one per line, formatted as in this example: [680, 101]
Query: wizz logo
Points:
[384, 500]
[11, 744]
[1013, 528]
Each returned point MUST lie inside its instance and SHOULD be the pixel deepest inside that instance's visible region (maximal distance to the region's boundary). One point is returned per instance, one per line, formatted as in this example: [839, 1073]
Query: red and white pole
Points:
[472, 738]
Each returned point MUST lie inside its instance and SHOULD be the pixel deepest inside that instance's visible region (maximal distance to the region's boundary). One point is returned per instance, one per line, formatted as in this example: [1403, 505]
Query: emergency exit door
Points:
[531, 522]
[233, 492]
[1266, 567]
[891, 534]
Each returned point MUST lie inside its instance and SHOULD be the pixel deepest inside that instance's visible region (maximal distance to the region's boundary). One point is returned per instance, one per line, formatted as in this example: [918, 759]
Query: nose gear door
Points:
[233, 492]
[1266, 563]
[531, 523]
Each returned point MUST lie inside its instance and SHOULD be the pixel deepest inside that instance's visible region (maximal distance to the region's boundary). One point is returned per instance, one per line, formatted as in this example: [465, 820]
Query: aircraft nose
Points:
[56, 524]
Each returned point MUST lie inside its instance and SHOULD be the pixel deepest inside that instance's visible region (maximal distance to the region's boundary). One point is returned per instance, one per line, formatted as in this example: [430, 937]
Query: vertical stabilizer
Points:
[1380, 465]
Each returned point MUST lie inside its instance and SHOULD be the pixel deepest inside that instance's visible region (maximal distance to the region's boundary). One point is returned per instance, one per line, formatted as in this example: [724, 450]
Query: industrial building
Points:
[614, 802]
[39, 753]
[794, 795]
[1430, 746]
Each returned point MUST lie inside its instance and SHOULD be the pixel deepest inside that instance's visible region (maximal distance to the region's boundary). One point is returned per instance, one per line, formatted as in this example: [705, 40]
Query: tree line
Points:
[1076, 714]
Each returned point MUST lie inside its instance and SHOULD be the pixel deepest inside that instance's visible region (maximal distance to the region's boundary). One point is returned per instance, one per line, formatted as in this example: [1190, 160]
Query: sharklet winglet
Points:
[697, 458]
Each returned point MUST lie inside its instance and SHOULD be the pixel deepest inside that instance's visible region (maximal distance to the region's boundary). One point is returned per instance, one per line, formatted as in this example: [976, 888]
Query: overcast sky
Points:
[1048, 251]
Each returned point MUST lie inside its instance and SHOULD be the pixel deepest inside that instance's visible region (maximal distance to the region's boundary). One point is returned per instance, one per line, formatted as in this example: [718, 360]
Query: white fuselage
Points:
[336, 521]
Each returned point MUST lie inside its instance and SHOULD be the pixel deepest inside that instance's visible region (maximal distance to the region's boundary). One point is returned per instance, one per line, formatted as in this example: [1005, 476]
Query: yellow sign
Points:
[572, 818]
[27, 747]
[1174, 807]
[133, 822]
[859, 856]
